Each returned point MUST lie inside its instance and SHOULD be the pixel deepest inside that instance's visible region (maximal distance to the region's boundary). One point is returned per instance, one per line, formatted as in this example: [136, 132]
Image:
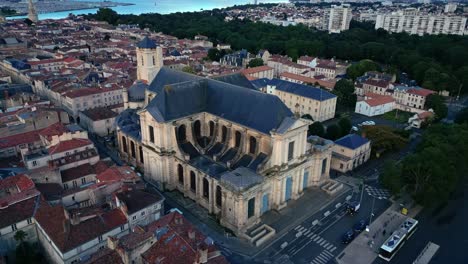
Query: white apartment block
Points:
[338, 18]
[421, 24]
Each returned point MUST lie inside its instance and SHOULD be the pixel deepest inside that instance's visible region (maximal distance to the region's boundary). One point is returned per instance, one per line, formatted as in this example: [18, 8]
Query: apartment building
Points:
[411, 98]
[338, 18]
[82, 99]
[420, 24]
[304, 99]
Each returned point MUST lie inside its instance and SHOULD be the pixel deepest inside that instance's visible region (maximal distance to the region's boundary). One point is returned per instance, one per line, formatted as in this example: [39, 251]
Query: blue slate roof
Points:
[302, 90]
[129, 123]
[260, 83]
[136, 92]
[192, 94]
[351, 141]
[235, 79]
[146, 43]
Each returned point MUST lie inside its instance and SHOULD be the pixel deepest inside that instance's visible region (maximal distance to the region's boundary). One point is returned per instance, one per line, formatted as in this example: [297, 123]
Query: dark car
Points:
[353, 207]
[360, 226]
[347, 237]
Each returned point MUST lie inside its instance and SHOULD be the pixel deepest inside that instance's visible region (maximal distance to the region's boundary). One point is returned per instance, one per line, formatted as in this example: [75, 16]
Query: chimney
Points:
[191, 234]
[66, 226]
[203, 254]
[112, 242]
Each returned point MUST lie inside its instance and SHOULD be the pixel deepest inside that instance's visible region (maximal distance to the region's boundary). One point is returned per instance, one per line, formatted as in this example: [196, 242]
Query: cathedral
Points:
[234, 150]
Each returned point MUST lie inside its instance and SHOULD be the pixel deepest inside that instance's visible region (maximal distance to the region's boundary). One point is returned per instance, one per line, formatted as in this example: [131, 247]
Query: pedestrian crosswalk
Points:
[378, 192]
[324, 257]
[327, 247]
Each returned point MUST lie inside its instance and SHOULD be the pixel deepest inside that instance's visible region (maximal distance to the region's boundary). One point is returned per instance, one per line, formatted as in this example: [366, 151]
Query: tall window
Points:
[252, 145]
[219, 197]
[193, 181]
[224, 134]
[206, 188]
[251, 208]
[291, 150]
[238, 139]
[124, 145]
[154, 61]
[324, 166]
[180, 173]
[151, 133]
[197, 128]
[212, 126]
[132, 148]
[142, 63]
[140, 148]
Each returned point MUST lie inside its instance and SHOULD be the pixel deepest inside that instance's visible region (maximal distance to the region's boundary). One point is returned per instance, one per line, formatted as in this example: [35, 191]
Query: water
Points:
[156, 6]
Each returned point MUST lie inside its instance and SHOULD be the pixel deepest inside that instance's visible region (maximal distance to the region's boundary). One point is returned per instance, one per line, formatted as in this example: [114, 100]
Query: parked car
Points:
[371, 123]
[353, 207]
[360, 226]
[348, 237]
[354, 128]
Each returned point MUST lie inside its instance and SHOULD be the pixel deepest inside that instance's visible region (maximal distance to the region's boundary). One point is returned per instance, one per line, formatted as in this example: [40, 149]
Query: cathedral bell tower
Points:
[149, 59]
[32, 14]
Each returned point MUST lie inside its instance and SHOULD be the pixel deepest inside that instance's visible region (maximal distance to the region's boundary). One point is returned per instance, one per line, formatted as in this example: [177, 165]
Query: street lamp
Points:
[371, 214]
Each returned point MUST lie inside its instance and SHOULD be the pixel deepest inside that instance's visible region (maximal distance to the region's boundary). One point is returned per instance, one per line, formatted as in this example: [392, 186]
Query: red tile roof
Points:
[52, 220]
[174, 243]
[69, 145]
[18, 139]
[99, 113]
[56, 129]
[378, 83]
[257, 69]
[77, 172]
[21, 181]
[105, 256]
[376, 100]
[115, 173]
[421, 91]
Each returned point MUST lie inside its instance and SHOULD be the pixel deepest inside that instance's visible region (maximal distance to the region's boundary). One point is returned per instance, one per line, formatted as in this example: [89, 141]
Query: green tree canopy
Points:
[345, 126]
[437, 103]
[344, 89]
[317, 129]
[333, 132]
[384, 139]
[462, 116]
[255, 62]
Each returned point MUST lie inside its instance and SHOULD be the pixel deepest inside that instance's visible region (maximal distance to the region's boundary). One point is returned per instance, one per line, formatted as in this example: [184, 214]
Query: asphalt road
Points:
[447, 229]
[321, 243]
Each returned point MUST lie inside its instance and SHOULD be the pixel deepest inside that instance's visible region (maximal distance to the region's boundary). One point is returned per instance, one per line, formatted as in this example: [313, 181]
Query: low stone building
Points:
[349, 152]
[99, 121]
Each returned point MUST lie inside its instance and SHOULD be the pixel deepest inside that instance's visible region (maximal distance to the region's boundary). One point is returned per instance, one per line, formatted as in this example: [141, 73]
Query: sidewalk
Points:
[364, 248]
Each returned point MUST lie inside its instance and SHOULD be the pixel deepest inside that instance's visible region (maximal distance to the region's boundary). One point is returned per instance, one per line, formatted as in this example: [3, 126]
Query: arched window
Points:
[206, 188]
[238, 139]
[252, 145]
[219, 197]
[180, 173]
[212, 126]
[124, 144]
[224, 134]
[132, 149]
[197, 129]
[193, 181]
[181, 134]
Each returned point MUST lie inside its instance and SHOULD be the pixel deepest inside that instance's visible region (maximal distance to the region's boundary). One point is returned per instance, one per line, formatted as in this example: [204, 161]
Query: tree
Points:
[108, 15]
[333, 132]
[255, 62]
[437, 103]
[214, 54]
[317, 129]
[462, 116]
[344, 89]
[20, 236]
[391, 177]
[384, 139]
[345, 126]
[358, 69]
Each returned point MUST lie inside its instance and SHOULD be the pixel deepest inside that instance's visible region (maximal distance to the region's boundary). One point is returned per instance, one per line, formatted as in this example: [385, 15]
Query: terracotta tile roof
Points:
[175, 245]
[21, 182]
[257, 69]
[99, 113]
[115, 173]
[84, 92]
[69, 145]
[378, 83]
[306, 58]
[18, 139]
[18, 211]
[52, 220]
[77, 172]
[421, 91]
[136, 200]
[56, 129]
[379, 100]
[105, 256]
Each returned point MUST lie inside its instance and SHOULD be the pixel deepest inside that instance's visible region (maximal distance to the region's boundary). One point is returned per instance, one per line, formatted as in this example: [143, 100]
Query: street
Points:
[319, 242]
